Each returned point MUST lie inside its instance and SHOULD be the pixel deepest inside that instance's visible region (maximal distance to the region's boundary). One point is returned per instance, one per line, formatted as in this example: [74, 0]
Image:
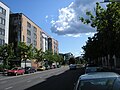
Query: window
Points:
[2, 21]
[2, 32]
[35, 29]
[23, 38]
[0, 9]
[28, 40]
[35, 43]
[35, 35]
[28, 32]
[28, 25]
[2, 41]
[97, 84]
[3, 11]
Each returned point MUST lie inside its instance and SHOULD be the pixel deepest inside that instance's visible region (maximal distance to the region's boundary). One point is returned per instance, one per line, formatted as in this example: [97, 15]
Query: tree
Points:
[38, 55]
[72, 60]
[25, 52]
[6, 54]
[106, 41]
[48, 56]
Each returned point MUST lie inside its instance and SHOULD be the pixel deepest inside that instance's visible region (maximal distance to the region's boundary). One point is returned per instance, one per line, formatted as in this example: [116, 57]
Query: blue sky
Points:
[60, 19]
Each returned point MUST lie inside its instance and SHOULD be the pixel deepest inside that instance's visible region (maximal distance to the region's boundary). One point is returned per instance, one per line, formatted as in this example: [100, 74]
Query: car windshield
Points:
[40, 66]
[27, 67]
[96, 84]
[14, 68]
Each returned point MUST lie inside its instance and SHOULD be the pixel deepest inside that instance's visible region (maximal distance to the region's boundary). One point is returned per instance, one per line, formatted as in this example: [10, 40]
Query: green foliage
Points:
[38, 55]
[72, 60]
[6, 53]
[49, 55]
[107, 39]
[52, 57]
[24, 51]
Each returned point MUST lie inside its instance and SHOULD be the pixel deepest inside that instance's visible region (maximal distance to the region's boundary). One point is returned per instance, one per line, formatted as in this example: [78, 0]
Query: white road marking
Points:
[40, 77]
[8, 88]
[29, 81]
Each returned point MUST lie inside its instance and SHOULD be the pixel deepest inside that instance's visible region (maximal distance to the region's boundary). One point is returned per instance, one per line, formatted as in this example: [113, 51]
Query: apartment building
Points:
[44, 41]
[53, 45]
[22, 29]
[4, 23]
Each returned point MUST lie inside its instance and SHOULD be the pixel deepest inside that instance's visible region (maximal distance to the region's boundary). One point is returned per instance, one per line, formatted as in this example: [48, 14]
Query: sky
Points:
[59, 19]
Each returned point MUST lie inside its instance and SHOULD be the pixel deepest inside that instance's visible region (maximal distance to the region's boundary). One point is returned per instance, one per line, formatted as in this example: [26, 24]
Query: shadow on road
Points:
[64, 81]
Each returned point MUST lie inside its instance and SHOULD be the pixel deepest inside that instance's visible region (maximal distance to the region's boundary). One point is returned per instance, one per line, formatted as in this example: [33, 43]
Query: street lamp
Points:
[25, 62]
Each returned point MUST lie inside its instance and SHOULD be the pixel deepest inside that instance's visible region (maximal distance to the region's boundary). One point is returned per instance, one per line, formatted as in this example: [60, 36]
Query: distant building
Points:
[4, 23]
[66, 57]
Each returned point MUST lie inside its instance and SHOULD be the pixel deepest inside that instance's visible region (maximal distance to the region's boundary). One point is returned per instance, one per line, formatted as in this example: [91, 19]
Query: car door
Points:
[20, 70]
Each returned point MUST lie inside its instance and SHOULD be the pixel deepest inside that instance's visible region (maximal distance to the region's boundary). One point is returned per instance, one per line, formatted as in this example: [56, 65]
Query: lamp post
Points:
[25, 62]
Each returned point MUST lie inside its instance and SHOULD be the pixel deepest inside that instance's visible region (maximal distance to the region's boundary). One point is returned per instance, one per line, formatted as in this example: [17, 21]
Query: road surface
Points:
[54, 79]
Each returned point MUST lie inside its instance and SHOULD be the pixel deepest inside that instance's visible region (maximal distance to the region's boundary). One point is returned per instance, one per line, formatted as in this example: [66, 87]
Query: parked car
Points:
[41, 68]
[98, 81]
[16, 71]
[72, 66]
[30, 70]
[92, 68]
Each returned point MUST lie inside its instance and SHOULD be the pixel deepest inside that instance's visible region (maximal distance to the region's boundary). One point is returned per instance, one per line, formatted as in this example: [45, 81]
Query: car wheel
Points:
[8, 74]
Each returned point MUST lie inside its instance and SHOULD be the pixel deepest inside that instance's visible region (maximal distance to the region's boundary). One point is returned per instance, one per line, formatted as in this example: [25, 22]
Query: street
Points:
[54, 79]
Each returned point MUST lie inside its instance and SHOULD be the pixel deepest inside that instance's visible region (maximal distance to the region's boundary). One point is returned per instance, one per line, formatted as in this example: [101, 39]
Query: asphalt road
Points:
[54, 79]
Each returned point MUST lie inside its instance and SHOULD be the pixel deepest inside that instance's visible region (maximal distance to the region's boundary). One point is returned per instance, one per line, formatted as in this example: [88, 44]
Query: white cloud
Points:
[90, 34]
[46, 16]
[68, 22]
[73, 35]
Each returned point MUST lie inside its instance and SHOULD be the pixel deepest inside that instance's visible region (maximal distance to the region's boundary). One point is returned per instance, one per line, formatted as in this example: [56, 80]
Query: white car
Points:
[90, 69]
[72, 66]
[98, 81]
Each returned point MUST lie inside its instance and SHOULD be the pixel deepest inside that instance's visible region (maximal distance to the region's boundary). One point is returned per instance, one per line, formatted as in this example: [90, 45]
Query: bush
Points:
[2, 67]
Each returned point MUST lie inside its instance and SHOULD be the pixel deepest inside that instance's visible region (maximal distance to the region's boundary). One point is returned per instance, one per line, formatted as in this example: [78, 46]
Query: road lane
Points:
[63, 81]
[25, 81]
